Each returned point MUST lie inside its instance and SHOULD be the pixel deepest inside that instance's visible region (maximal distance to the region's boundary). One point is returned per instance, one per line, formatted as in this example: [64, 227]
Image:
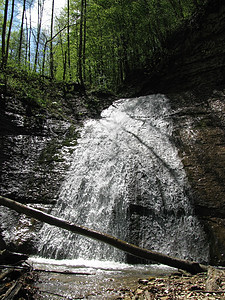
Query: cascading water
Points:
[126, 179]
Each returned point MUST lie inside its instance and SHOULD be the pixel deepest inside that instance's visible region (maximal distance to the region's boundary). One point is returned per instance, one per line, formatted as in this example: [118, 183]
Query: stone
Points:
[215, 280]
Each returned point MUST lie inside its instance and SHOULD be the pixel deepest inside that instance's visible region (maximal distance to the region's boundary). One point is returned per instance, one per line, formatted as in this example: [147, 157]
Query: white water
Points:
[94, 267]
[126, 179]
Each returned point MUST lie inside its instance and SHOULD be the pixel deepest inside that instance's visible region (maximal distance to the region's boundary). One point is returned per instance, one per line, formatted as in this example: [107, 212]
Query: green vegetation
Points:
[39, 93]
[95, 43]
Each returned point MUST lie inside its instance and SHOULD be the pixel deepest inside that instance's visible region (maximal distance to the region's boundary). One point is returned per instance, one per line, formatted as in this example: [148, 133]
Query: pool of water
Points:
[91, 279]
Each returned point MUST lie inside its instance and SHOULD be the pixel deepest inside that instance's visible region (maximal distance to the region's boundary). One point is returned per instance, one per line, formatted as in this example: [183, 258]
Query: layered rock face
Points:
[200, 136]
[32, 164]
[28, 152]
[35, 152]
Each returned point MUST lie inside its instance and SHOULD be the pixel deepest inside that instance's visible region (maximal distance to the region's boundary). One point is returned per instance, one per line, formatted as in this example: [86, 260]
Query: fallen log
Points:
[9, 269]
[12, 258]
[12, 291]
[5, 273]
[66, 272]
[190, 266]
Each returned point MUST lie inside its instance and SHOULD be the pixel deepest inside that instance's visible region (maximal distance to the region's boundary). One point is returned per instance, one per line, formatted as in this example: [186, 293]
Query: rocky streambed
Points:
[49, 279]
[108, 280]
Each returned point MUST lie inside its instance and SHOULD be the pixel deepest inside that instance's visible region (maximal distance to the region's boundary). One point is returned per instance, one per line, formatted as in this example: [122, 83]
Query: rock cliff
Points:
[35, 151]
[200, 136]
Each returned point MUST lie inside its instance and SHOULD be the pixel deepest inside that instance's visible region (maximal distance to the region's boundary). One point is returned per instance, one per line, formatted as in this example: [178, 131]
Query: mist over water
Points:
[126, 179]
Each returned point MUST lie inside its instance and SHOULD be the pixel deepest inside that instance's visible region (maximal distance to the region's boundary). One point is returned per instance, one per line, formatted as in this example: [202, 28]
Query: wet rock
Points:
[36, 144]
[177, 287]
[200, 138]
[34, 151]
[143, 281]
[215, 280]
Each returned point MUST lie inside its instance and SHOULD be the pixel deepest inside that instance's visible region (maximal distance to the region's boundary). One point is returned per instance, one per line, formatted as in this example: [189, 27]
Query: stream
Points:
[91, 279]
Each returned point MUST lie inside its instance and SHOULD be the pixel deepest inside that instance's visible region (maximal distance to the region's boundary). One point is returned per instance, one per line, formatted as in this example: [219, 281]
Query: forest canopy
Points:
[95, 43]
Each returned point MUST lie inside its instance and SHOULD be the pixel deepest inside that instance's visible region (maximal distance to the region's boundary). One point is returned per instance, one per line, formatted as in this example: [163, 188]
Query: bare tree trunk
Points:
[21, 30]
[64, 66]
[40, 15]
[4, 26]
[51, 43]
[192, 267]
[80, 51]
[84, 42]
[29, 38]
[9, 32]
[68, 38]
[44, 54]
[64, 59]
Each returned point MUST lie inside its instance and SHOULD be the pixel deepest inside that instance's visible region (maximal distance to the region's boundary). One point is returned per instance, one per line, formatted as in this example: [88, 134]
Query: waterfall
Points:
[126, 179]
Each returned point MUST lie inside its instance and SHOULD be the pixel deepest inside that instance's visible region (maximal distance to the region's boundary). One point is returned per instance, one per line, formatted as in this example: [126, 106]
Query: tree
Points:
[29, 35]
[51, 43]
[110, 40]
[81, 42]
[9, 32]
[21, 31]
[4, 26]
[67, 53]
[39, 24]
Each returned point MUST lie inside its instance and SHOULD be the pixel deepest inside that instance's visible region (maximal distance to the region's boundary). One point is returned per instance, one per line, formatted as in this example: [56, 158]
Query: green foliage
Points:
[1, 14]
[123, 35]
[118, 36]
[32, 89]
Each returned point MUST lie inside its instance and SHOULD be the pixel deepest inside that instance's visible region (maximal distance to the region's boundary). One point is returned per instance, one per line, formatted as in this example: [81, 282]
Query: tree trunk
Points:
[29, 38]
[40, 15]
[51, 43]
[192, 267]
[44, 54]
[84, 41]
[4, 26]
[9, 32]
[64, 66]
[80, 50]
[68, 39]
[21, 31]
